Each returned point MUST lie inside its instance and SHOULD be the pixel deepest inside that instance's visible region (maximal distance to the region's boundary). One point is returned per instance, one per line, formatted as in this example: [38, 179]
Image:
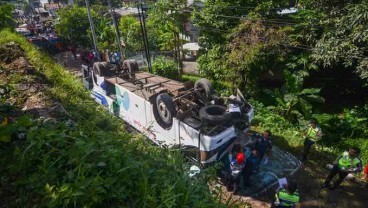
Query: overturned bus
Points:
[183, 115]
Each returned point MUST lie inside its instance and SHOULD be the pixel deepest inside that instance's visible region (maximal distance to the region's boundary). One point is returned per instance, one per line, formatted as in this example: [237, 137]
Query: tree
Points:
[6, 18]
[74, 25]
[131, 33]
[345, 42]
[106, 35]
[215, 21]
[253, 50]
[292, 101]
[216, 18]
[114, 3]
[172, 16]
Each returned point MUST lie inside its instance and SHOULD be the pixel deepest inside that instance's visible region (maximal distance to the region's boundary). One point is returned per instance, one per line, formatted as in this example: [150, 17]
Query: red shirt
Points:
[366, 169]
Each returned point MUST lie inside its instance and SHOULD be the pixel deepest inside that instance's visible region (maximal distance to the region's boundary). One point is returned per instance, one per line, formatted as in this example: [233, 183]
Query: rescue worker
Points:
[237, 167]
[263, 143]
[233, 152]
[287, 196]
[312, 135]
[348, 162]
[253, 162]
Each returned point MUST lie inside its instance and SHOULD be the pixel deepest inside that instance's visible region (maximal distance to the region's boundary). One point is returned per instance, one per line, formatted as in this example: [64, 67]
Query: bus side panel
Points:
[188, 135]
[156, 133]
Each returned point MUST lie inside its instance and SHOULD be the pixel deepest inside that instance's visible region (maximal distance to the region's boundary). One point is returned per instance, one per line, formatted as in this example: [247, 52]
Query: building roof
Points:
[126, 11]
[52, 6]
[291, 10]
[191, 46]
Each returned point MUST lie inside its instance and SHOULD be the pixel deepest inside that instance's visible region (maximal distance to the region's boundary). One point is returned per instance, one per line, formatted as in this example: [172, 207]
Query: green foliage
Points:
[214, 27]
[218, 17]
[171, 13]
[346, 129]
[165, 67]
[114, 3]
[345, 43]
[159, 36]
[252, 50]
[308, 28]
[93, 163]
[339, 131]
[169, 17]
[6, 17]
[212, 63]
[221, 87]
[131, 33]
[293, 102]
[106, 35]
[351, 123]
[266, 118]
[74, 25]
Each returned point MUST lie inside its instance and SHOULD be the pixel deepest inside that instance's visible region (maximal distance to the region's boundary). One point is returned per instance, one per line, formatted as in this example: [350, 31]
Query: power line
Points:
[287, 45]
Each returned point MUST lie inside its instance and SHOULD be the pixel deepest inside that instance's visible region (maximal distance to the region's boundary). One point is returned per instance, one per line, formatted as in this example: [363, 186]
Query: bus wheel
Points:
[165, 110]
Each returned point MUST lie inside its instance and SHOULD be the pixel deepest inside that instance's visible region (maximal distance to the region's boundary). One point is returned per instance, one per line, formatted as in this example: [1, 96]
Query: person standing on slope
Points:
[312, 135]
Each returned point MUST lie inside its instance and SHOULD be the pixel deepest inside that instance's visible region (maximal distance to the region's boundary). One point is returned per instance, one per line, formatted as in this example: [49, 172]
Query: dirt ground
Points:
[352, 192]
[22, 87]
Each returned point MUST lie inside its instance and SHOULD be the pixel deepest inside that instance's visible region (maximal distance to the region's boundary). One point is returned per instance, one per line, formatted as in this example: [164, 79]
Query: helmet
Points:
[240, 158]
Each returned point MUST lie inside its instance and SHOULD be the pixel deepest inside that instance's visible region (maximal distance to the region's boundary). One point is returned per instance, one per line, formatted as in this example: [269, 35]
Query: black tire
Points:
[214, 114]
[205, 87]
[101, 68]
[164, 110]
[131, 65]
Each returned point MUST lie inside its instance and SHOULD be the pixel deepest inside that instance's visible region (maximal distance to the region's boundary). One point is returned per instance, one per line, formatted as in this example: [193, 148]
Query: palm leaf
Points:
[315, 98]
[310, 91]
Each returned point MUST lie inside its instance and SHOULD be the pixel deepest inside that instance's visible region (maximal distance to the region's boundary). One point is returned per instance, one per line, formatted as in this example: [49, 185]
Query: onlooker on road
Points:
[73, 50]
[348, 162]
[287, 196]
[91, 57]
[312, 135]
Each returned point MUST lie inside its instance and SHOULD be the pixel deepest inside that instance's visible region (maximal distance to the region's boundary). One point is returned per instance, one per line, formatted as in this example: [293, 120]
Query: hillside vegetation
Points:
[79, 155]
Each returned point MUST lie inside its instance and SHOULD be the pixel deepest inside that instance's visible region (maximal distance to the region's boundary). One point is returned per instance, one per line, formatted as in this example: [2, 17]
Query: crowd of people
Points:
[245, 161]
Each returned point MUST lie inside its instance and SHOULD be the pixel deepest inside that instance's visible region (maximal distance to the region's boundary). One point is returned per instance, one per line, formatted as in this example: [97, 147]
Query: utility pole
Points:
[145, 34]
[112, 11]
[145, 43]
[92, 29]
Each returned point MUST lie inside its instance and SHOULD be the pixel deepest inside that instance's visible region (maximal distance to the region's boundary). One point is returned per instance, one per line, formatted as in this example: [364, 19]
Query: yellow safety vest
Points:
[347, 162]
[287, 200]
[312, 133]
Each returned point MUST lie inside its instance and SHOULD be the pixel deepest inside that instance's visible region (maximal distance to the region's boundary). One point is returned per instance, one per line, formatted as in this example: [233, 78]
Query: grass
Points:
[91, 163]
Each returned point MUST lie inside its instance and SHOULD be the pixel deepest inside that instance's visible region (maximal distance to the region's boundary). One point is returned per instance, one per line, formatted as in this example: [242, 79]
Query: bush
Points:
[165, 67]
